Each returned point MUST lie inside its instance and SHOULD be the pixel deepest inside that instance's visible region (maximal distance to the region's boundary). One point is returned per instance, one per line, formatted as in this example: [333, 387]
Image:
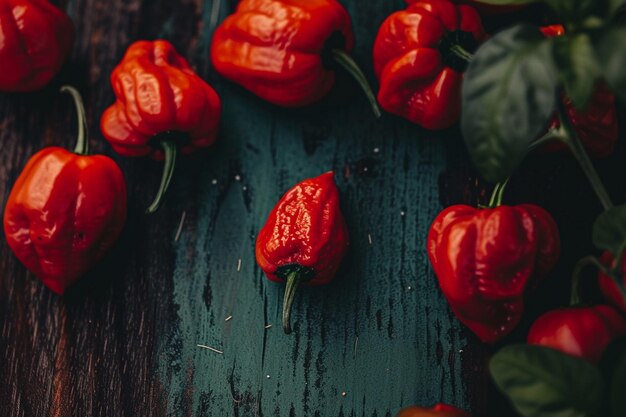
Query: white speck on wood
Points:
[211, 349]
[180, 226]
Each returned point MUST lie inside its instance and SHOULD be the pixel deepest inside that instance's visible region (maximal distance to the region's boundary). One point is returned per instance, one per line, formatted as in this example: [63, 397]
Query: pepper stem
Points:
[575, 297]
[461, 52]
[171, 150]
[342, 58]
[82, 145]
[578, 150]
[294, 279]
[497, 194]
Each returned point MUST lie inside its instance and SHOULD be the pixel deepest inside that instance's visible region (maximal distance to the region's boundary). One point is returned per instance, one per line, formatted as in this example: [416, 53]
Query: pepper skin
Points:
[420, 55]
[579, 331]
[304, 239]
[597, 124]
[161, 106]
[439, 410]
[65, 211]
[609, 288]
[284, 51]
[35, 39]
[485, 259]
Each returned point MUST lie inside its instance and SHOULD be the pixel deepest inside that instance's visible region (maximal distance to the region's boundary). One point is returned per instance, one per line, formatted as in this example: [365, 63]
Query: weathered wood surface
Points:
[124, 341]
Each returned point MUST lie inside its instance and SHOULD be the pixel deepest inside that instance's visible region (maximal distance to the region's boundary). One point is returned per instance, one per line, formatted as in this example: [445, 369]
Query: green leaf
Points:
[509, 95]
[615, 5]
[611, 53]
[613, 366]
[579, 67]
[609, 230]
[573, 10]
[617, 399]
[543, 382]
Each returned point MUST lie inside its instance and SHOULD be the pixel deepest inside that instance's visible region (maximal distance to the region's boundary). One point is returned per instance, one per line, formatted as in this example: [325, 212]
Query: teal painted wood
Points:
[382, 333]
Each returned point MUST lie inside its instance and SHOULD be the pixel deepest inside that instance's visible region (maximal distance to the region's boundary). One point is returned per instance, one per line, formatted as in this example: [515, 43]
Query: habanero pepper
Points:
[609, 288]
[439, 410]
[35, 39]
[161, 106]
[486, 258]
[65, 210]
[420, 55]
[286, 52]
[597, 124]
[304, 239]
[584, 332]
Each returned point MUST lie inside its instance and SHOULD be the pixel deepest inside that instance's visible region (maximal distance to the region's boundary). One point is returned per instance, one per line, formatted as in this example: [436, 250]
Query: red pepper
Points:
[609, 288]
[35, 39]
[597, 124]
[286, 52]
[579, 331]
[162, 106]
[484, 8]
[304, 239]
[485, 259]
[66, 210]
[420, 55]
[439, 410]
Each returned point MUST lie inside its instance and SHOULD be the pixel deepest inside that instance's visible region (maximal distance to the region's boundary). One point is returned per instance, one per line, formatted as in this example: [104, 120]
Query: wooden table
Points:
[123, 342]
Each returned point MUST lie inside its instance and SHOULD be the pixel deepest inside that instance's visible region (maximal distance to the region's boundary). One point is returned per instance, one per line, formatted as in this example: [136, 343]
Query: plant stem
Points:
[82, 144]
[550, 136]
[462, 53]
[342, 58]
[171, 150]
[293, 283]
[497, 194]
[578, 150]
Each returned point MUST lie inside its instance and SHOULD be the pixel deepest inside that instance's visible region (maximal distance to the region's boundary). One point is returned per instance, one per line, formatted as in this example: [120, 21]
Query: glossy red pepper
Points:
[579, 331]
[420, 55]
[161, 106]
[286, 52]
[439, 410]
[35, 39]
[304, 239]
[609, 288]
[65, 210]
[597, 124]
[485, 260]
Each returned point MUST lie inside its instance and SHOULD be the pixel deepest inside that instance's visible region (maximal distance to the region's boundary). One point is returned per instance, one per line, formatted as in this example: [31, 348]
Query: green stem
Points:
[171, 150]
[462, 53]
[551, 136]
[294, 279]
[578, 150]
[497, 194]
[575, 297]
[342, 58]
[82, 145]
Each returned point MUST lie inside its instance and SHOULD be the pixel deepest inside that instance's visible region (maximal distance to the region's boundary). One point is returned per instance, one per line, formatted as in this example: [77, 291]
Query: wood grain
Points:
[123, 342]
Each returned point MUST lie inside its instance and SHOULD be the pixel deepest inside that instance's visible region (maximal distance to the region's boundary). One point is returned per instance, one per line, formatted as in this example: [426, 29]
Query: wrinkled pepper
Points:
[304, 239]
[420, 55]
[65, 210]
[287, 52]
[609, 288]
[597, 124]
[35, 39]
[584, 332]
[161, 107]
[439, 410]
[486, 258]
